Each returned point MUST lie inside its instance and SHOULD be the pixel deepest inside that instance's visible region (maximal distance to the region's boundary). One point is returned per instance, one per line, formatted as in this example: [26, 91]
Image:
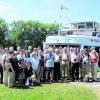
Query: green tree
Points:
[3, 32]
[33, 33]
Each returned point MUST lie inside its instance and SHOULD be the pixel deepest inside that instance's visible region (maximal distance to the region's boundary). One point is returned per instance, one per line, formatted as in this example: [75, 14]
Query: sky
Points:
[48, 11]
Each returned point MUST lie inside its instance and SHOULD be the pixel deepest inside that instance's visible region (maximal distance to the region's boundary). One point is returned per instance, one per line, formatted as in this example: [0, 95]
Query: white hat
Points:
[93, 51]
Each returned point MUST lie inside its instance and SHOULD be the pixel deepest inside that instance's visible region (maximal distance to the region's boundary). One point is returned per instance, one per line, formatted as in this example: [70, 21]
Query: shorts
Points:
[49, 69]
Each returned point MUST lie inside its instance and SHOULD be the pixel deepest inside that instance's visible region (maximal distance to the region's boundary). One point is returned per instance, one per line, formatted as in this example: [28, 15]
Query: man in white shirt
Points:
[57, 74]
[75, 59]
[21, 55]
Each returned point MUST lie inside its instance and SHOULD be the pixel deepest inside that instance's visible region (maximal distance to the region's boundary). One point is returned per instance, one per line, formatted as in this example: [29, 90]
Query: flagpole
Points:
[60, 17]
[60, 20]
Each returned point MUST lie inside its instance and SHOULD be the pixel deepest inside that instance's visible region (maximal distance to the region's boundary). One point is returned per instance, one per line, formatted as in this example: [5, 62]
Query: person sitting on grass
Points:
[21, 78]
[28, 73]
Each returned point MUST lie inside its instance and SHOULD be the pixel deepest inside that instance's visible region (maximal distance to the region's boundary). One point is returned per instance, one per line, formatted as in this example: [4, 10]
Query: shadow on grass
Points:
[27, 87]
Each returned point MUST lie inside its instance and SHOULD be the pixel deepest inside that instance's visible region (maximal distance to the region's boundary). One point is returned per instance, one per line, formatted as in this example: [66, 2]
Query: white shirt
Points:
[73, 57]
[19, 57]
[57, 58]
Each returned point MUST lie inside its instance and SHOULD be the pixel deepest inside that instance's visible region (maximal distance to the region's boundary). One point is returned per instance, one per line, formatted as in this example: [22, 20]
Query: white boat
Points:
[78, 34]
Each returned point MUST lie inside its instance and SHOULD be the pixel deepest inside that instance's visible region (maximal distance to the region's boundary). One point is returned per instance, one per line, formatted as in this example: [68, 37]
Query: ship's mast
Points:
[60, 19]
[60, 16]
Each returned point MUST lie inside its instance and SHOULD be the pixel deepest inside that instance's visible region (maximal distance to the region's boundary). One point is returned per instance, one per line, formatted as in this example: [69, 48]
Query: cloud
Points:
[4, 6]
[7, 11]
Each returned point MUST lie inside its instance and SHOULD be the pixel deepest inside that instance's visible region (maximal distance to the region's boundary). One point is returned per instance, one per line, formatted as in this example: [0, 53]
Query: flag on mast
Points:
[62, 7]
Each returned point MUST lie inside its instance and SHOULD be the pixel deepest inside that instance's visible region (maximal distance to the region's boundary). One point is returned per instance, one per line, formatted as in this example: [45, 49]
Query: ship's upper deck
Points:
[81, 28]
[85, 25]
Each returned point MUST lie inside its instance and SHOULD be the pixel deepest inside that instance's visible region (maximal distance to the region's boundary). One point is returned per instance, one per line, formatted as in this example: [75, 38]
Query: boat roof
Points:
[84, 22]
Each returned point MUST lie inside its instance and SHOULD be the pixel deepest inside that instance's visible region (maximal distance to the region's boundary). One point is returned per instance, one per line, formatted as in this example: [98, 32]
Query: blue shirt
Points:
[49, 60]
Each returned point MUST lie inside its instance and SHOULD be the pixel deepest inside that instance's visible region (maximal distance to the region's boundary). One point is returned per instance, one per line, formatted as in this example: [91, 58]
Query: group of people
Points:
[35, 66]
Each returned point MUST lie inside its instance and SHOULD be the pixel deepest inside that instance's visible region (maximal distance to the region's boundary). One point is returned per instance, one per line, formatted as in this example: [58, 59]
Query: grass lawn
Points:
[54, 91]
[98, 69]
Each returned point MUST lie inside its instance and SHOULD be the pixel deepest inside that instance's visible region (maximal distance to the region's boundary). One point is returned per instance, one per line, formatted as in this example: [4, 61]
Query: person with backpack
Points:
[49, 65]
[94, 58]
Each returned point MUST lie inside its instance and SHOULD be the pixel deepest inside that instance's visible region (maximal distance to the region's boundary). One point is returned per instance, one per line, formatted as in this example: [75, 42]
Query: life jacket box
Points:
[94, 33]
[93, 58]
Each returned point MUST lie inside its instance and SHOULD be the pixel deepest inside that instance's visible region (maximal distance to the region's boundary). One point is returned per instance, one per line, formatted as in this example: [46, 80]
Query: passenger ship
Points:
[81, 34]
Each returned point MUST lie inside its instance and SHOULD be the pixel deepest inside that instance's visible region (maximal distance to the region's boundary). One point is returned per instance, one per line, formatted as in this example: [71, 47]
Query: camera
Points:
[84, 62]
[74, 59]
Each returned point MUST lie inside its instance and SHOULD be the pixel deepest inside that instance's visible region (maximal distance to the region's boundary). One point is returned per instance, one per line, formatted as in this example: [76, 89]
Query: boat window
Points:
[81, 26]
[89, 25]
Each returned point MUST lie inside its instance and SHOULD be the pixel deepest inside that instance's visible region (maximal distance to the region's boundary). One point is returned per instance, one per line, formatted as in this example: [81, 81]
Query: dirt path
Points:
[95, 86]
[88, 84]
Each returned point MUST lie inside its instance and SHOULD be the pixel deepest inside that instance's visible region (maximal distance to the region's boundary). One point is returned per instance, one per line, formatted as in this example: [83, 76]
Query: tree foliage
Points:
[33, 33]
[3, 31]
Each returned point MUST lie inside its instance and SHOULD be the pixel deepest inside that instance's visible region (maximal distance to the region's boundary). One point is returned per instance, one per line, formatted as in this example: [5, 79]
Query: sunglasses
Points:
[11, 52]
